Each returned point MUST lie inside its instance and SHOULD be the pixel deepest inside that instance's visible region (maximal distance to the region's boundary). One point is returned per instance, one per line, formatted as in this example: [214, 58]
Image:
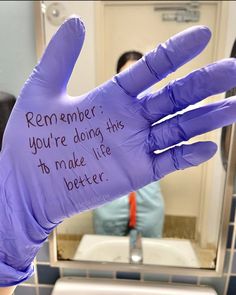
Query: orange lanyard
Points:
[132, 210]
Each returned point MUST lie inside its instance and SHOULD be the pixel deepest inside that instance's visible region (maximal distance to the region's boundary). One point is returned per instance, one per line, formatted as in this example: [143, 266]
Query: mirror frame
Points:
[230, 174]
[111, 266]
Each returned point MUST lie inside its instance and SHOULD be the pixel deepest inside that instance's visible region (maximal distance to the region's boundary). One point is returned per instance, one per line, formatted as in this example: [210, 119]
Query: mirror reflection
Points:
[168, 222]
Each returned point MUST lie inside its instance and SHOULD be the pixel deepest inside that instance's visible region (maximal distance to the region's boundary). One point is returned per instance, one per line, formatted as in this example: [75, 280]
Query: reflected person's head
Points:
[127, 59]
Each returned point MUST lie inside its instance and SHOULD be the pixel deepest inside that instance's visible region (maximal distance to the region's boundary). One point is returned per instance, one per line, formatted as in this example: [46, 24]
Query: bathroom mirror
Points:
[194, 203]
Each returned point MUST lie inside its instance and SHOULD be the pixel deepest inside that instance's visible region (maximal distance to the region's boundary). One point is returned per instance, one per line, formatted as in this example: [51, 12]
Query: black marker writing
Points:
[38, 143]
[83, 181]
[73, 163]
[44, 167]
[101, 152]
[87, 135]
[114, 126]
[39, 120]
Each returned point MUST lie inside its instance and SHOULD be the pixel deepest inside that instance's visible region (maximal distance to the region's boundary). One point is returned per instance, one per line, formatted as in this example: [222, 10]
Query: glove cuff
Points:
[11, 277]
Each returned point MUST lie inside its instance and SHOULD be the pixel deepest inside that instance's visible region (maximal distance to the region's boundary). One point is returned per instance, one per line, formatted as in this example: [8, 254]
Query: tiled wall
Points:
[45, 276]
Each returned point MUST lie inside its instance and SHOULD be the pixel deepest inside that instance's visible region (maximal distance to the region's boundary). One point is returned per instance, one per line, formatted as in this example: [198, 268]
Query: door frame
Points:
[203, 217]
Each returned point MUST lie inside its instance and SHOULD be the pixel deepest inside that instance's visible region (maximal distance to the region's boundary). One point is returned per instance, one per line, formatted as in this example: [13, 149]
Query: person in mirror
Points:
[48, 173]
[142, 210]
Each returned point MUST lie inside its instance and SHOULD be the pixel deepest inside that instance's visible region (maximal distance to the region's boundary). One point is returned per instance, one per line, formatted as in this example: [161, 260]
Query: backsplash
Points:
[45, 276]
[182, 227]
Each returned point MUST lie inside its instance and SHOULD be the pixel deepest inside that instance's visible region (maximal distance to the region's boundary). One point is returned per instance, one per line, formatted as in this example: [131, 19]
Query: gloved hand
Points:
[62, 155]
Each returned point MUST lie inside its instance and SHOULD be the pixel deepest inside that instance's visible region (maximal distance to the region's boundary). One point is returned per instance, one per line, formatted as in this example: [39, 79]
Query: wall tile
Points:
[216, 283]
[73, 272]
[232, 212]
[230, 236]
[128, 275]
[235, 185]
[232, 286]
[226, 262]
[100, 274]
[233, 270]
[47, 275]
[184, 279]
[22, 290]
[31, 280]
[43, 254]
[156, 277]
[45, 291]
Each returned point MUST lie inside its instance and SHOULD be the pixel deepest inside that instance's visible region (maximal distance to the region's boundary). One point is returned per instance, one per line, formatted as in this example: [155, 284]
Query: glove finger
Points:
[179, 94]
[166, 58]
[57, 63]
[182, 157]
[198, 121]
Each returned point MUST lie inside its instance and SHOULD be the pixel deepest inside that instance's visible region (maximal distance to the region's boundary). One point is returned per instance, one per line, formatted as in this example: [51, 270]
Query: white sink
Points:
[75, 286]
[103, 248]
[174, 252]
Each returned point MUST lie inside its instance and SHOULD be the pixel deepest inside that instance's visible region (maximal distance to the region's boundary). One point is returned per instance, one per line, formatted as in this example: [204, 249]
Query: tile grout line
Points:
[61, 272]
[230, 260]
[141, 277]
[46, 285]
[43, 263]
[36, 277]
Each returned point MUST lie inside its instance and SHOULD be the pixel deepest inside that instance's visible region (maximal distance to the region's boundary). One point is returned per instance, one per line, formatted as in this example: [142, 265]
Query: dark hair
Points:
[127, 56]
[7, 102]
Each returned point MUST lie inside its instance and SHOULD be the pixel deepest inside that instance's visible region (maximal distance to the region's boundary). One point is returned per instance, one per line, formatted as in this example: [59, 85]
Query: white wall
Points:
[17, 36]
[83, 76]
[231, 32]
[78, 224]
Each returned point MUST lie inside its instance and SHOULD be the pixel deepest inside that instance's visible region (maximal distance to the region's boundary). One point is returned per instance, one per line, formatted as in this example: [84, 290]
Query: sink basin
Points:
[75, 286]
[174, 252]
[103, 248]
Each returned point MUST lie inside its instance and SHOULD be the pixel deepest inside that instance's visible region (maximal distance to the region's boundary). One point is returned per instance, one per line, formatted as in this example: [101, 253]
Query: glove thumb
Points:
[56, 65]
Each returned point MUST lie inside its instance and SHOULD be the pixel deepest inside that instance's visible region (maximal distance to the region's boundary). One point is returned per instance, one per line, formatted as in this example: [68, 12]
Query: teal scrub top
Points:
[113, 218]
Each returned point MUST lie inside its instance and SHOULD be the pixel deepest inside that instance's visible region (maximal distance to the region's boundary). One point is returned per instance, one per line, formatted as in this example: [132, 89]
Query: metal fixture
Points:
[187, 12]
[136, 253]
[55, 13]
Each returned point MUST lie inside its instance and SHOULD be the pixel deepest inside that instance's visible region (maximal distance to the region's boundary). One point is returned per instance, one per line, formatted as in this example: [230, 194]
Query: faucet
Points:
[135, 243]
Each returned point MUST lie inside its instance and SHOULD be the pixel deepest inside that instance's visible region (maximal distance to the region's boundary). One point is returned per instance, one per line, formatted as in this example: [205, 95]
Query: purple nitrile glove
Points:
[62, 155]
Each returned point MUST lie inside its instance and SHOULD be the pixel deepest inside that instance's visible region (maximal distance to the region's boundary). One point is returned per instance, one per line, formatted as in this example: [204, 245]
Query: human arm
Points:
[7, 290]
